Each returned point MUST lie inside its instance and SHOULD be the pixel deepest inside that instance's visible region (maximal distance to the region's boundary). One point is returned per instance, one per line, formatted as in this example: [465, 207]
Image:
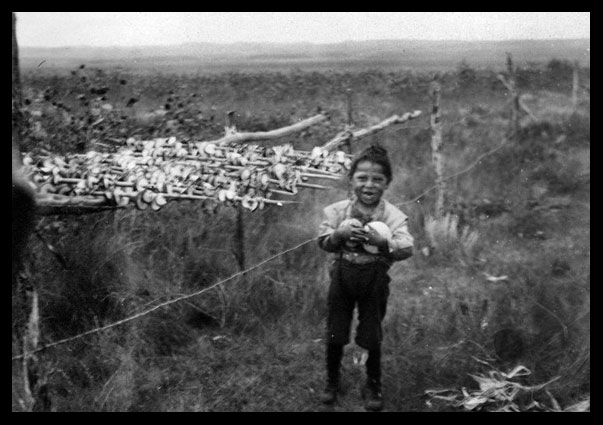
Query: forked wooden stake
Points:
[517, 103]
[509, 83]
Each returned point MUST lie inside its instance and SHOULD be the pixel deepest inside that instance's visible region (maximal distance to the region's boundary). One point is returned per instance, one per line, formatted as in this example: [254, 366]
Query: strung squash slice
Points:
[148, 196]
[92, 181]
[141, 184]
[140, 202]
[210, 149]
[160, 200]
[279, 170]
[250, 203]
[64, 189]
[245, 174]
[117, 195]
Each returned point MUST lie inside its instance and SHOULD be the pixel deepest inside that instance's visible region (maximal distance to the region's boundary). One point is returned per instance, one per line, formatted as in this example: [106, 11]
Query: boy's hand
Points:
[346, 231]
[359, 235]
[374, 238]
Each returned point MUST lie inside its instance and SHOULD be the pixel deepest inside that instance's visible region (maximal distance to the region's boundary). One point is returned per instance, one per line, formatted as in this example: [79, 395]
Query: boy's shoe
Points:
[329, 395]
[371, 394]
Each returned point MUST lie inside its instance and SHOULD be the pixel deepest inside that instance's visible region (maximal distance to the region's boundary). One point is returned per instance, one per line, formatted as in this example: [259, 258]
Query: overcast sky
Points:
[52, 29]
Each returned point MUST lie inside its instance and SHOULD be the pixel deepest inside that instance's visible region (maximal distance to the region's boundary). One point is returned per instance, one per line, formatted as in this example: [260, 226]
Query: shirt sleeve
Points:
[401, 243]
[331, 221]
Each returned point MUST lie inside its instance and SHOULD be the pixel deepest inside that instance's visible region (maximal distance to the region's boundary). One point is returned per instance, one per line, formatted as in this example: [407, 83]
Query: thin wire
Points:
[164, 304]
[461, 120]
[478, 160]
[467, 169]
[184, 297]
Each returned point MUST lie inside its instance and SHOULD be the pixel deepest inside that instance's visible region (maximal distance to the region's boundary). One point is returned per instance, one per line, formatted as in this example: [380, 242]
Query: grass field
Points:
[256, 343]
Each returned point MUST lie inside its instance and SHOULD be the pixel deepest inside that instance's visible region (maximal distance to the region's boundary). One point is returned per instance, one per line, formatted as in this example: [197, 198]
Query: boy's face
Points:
[369, 182]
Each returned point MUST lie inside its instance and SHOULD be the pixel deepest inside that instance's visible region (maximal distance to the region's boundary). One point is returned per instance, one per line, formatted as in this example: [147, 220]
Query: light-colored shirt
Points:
[399, 244]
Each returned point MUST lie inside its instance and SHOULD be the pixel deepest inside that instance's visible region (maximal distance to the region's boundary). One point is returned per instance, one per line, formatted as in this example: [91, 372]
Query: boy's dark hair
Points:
[376, 154]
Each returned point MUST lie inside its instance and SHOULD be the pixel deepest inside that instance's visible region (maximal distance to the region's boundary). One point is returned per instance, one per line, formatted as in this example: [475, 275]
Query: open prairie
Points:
[501, 281]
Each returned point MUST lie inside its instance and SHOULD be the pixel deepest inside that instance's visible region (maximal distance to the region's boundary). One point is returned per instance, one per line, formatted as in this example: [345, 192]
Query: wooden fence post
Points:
[436, 147]
[230, 123]
[350, 124]
[514, 95]
[576, 85]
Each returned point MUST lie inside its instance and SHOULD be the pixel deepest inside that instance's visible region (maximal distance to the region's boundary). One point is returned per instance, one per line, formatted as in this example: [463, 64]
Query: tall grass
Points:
[449, 240]
[256, 343]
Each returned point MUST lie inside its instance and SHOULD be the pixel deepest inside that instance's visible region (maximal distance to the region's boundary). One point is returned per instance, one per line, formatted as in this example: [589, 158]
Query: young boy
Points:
[359, 277]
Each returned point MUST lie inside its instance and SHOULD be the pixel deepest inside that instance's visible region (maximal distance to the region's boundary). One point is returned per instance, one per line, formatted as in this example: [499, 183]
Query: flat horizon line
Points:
[313, 43]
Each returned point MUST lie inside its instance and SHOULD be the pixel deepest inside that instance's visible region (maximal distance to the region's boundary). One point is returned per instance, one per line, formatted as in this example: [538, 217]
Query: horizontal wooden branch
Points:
[52, 204]
[49, 204]
[272, 134]
[359, 134]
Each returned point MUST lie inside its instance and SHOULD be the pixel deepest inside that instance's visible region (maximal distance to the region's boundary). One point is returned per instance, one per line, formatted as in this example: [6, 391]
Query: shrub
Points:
[197, 355]
[449, 240]
[467, 76]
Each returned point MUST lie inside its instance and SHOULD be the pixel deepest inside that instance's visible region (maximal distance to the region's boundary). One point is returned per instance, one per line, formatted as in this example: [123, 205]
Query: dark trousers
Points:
[365, 286]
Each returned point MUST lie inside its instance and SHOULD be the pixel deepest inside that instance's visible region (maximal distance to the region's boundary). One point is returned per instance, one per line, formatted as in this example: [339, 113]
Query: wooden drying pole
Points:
[46, 208]
[240, 237]
[435, 124]
[347, 135]
[232, 136]
[350, 124]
